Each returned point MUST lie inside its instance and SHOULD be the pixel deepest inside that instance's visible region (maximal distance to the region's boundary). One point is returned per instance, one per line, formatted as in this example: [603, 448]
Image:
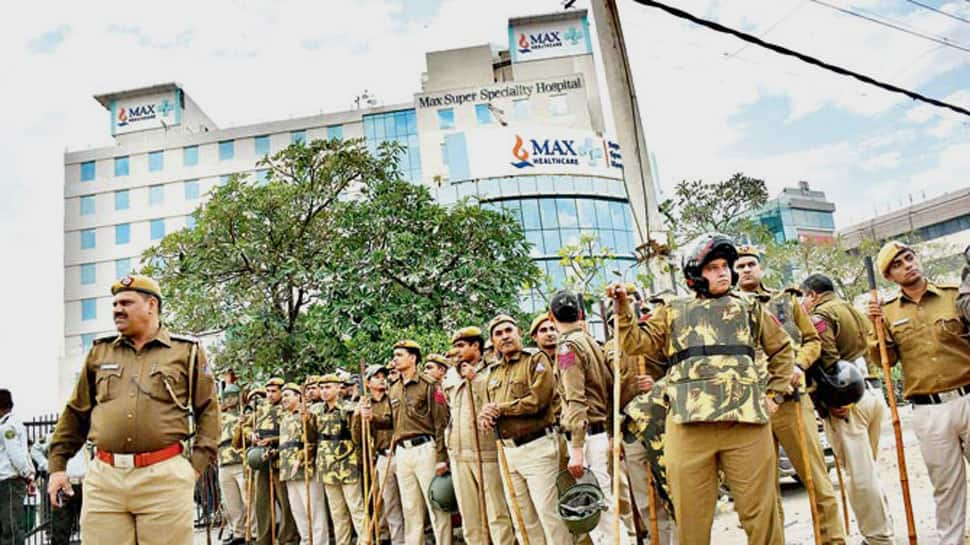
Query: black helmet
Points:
[709, 247]
[840, 385]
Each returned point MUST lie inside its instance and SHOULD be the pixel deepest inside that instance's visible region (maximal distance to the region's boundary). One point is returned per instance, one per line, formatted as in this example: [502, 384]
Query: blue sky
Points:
[711, 107]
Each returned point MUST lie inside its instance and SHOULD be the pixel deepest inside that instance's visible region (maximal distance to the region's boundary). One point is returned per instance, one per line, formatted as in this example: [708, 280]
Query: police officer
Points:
[853, 430]
[467, 343]
[520, 402]
[266, 435]
[16, 473]
[436, 366]
[139, 397]
[231, 475]
[294, 455]
[784, 305]
[391, 516]
[544, 334]
[925, 333]
[719, 406]
[338, 461]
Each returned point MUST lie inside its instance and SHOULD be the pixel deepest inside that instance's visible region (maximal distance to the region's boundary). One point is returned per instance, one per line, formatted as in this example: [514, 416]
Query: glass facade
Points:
[482, 114]
[89, 309]
[122, 233]
[157, 229]
[121, 166]
[402, 127]
[156, 161]
[190, 156]
[261, 145]
[944, 228]
[87, 171]
[227, 150]
[88, 239]
[335, 132]
[191, 190]
[87, 205]
[88, 274]
[297, 136]
[121, 199]
[156, 194]
[122, 267]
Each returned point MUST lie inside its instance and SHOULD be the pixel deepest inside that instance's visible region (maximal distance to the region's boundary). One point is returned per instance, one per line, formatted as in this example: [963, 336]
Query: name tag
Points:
[494, 383]
[109, 366]
[900, 321]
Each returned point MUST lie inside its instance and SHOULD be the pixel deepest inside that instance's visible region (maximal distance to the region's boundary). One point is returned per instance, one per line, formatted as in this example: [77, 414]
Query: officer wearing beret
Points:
[436, 366]
[392, 516]
[927, 336]
[295, 455]
[147, 400]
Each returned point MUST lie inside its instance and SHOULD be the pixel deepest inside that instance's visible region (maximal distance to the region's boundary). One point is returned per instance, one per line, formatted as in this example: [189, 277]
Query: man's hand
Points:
[874, 309]
[645, 383]
[58, 482]
[796, 377]
[770, 406]
[575, 466]
[364, 409]
[263, 442]
[441, 468]
[617, 292]
[486, 419]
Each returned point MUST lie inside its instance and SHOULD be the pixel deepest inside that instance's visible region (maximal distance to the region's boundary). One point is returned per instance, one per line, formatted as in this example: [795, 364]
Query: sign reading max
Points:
[548, 39]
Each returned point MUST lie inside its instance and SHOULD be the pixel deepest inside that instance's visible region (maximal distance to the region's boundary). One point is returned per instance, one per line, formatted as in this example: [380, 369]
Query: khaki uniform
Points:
[267, 426]
[294, 474]
[523, 386]
[338, 468]
[855, 437]
[586, 388]
[232, 478]
[460, 438]
[128, 402]
[717, 417]
[783, 305]
[392, 517]
[932, 342]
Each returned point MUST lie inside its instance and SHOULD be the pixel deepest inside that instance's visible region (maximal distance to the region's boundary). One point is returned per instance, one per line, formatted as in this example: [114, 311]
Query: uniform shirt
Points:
[338, 437]
[930, 339]
[228, 454]
[291, 445]
[585, 383]
[630, 372]
[419, 407]
[462, 427]
[14, 458]
[381, 410]
[523, 387]
[127, 401]
[843, 330]
[266, 425]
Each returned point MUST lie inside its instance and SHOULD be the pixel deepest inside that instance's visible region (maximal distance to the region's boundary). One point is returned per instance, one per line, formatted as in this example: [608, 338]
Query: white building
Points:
[521, 126]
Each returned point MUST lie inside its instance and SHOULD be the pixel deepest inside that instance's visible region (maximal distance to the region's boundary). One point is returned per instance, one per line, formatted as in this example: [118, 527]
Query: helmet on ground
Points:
[581, 502]
[708, 248]
[256, 457]
[840, 385]
[441, 494]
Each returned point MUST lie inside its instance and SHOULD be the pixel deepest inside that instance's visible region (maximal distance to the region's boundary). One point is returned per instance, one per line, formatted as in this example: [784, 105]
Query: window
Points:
[297, 136]
[156, 161]
[335, 132]
[190, 156]
[87, 205]
[191, 190]
[122, 233]
[190, 222]
[121, 199]
[520, 109]
[121, 166]
[89, 309]
[261, 145]
[87, 171]
[224, 179]
[483, 114]
[567, 212]
[400, 126]
[262, 176]
[87, 340]
[446, 118]
[87, 239]
[157, 229]
[122, 267]
[227, 150]
[156, 194]
[88, 274]
[558, 105]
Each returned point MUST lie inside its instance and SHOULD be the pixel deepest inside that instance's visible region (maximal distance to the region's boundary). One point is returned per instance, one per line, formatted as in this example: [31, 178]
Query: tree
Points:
[698, 207]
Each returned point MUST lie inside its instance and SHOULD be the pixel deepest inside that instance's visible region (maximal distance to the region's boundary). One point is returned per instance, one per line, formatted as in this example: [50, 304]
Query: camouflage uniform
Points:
[232, 481]
[267, 426]
[338, 467]
[717, 417]
[294, 472]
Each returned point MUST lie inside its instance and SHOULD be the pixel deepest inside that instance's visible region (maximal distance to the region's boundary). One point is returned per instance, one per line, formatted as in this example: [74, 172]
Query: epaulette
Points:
[111, 337]
[426, 378]
[752, 296]
[797, 292]
[890, 299]
[530, 350]
[948, 285]
[184, 338]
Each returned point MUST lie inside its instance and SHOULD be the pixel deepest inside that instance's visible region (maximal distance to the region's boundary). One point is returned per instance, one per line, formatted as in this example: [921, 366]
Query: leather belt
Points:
[415, 441]
[529, 437]
[591, 429]
[291, 444]
[141, 459]
[941, 397]
[334, 437]
[225, 443]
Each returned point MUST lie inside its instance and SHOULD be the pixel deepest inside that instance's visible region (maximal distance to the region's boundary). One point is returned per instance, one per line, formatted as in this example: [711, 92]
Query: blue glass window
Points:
[121, 166]
[157, 229]
[535, 238]
[122, 233]
[547, 209]
[156, 161]
[121, 199]
[530, 214]
[87, 171]
[89, 309]
[261, 145]
[87, 205]
[483, 114]
[156, 194]
[224, 179]
[262, 176]
[88, 274]
[297, 136]
[122, 267]
[190, 156]
[603, 216]
[88, 239]
[191, 190]
[227, 150]
[190, 222]
[552, 242]
[87, 340]
[446, 118]
[567, 212]
[400, 126]
[335, 132]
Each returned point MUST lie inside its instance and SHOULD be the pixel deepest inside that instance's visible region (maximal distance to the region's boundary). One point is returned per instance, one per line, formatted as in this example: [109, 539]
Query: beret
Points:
[137, 282]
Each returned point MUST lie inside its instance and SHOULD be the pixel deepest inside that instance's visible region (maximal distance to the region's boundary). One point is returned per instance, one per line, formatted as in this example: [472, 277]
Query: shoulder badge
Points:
[821, 325]
[529, 350]
[566, 357]
[184, 338]
[948, 286]
[439, 397]
[10, 433]
[890, 299]
[106, 338]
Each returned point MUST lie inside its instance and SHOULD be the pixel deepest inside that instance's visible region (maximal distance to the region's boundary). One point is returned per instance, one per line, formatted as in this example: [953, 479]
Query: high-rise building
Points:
[799, 213]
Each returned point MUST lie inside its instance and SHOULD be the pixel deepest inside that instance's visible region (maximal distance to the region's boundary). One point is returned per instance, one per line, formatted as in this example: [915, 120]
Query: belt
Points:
[529, 437]
[591, 429]
[291, 444]
[267, 434]
[225, 443]
[874, 383]
[415, 441]
[334, 437]
[713, 350]
[941, 397]
[141, 459]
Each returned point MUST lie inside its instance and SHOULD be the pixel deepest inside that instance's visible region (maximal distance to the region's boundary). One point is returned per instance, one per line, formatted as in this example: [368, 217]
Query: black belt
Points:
[529, 437]
[415, 441]
[291, 444]
[715, 350]
[874, 383]
[591, 429]
[268, 434]
[942, 397]
[335, 437]
[225, 443]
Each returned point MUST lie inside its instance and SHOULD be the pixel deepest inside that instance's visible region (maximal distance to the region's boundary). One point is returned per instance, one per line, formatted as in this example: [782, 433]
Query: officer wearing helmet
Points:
[719, 406]
[231, 476]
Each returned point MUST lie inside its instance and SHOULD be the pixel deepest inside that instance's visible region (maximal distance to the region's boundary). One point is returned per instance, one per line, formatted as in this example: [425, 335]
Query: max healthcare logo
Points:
[142, 112]
[548, 40]
[550, 151]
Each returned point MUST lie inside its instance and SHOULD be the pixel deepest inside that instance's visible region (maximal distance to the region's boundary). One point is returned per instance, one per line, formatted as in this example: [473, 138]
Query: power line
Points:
[879, 21]
[800, 56]
[941, 12]
[771, 27]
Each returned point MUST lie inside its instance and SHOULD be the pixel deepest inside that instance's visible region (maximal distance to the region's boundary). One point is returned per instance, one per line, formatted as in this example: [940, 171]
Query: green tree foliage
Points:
[698, 207]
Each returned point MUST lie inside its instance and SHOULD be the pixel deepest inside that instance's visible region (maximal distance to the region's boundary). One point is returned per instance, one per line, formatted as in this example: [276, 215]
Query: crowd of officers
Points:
[518, 440]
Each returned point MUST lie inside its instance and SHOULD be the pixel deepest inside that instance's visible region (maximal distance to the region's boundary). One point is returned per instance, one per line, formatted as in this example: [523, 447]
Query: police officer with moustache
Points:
[139, 398]
[232, 482]
[784, 305]
[391, 517]
[719, 406]
[926, 334]
[854, 429]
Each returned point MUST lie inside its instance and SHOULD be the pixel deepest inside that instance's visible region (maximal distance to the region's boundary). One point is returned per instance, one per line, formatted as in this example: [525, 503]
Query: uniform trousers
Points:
[286, 530]
[346, 502]
[296, 492]
[232, 485]
[533, 467]
[784, 426]
[943, 432]
[596, 454]
[746, 455]
[12, 493]
[637, 466]
[155, 503]
[392, 518]
[467, 487]
[415, 470]
[855, 442]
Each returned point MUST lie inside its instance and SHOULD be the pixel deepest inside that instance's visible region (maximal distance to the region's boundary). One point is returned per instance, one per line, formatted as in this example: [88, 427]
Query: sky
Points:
[711, 105]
